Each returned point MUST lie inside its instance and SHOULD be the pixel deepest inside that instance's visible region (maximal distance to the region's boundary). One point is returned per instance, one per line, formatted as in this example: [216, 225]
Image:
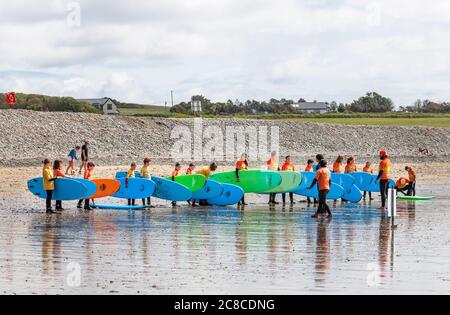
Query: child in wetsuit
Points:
[88, 176]
[57, 165]
[323, 179]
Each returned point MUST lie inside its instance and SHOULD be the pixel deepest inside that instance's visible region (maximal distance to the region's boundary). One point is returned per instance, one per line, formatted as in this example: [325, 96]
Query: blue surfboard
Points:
[65, 189]
[91, 187]
[362, 180]
[169, 190]
[346, 181]
[138, 188]
[118, 207]
[231, 195]
[211, 190]
[124, 175]
[375, 187]
[353, 194]
[336, 192]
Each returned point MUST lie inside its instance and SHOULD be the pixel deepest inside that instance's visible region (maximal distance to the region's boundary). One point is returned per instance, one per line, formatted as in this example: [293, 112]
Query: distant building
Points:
[312, 107]
[104, 104]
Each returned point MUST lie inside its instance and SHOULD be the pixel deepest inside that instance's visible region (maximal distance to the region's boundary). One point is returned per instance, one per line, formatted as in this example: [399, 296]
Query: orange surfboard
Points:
[105, 188]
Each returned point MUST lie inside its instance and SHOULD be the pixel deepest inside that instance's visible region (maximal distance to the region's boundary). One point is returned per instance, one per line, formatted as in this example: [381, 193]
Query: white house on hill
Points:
[312, 107]
[105, 104]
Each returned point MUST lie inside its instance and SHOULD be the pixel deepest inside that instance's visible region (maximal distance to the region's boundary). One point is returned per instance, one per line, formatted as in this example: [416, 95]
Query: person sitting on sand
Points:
[207, 172]
[384, 177]
[72, 157]
[368, 169]
[131, 174]
[288, 167]
[273, 165]
[88, 176]
[337, 166]
[175, 173]
[146, 173]
[241, 165]
[48, 180]
[84, 156]
[412, 181]
[57, 172]
[351, 168]
[323, 179]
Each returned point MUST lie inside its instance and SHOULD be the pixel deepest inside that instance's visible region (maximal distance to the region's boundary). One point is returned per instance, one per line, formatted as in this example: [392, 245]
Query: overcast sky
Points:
[138, 50]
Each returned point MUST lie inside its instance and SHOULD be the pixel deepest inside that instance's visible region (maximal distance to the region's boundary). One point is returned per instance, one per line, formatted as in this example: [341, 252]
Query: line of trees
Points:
[427, 106]
[50, 103]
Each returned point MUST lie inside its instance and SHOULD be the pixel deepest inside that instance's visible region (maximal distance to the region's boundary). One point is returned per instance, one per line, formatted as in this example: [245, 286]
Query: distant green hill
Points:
[47, 103]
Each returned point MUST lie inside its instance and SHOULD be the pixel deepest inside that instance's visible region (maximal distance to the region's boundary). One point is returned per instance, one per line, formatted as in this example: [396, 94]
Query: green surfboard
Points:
[252, 181]
[414, 198]
[289, 182]
[193, 182]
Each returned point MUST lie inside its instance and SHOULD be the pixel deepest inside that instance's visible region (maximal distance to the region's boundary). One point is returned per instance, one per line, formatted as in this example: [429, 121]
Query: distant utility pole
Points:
[165, 106]
[171, 96]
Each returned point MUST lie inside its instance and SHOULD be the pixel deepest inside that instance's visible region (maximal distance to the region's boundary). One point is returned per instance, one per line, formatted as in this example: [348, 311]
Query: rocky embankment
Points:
[27, 137]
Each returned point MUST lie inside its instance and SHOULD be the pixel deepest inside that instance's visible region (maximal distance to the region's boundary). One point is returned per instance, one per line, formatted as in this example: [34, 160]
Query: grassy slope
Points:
[443, 122]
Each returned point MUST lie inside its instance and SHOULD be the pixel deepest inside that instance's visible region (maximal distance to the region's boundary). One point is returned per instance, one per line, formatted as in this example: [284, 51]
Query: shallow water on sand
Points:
[226, 251]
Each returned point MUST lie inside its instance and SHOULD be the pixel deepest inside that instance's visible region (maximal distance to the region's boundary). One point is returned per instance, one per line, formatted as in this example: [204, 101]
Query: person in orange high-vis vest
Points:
[241, 165]
[351, 166]
[288, 167]
[337, 166]
[384, 177]
[273, 165]
[412, 176]
[309, 166]
[323, 180]
[88, 176]
[402, 185]
[368, 169]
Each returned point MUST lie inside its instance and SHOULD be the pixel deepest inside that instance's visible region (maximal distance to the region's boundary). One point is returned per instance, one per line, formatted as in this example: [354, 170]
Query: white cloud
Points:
[139, 50]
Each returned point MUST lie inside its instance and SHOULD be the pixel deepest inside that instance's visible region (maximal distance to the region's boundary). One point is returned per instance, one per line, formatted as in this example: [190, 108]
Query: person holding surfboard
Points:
[412, 176]
[351, 166]
[368, 169]
[384, 177]
[337, 166]
[146, 173]
[319, 157]
[87, 175]
[241, 165]
[57, 172]
[72, 157]
[273, 165]
[190, 169]
[288, 166]
[84, 156]
[48, 178]
[131, 174]
[175, 173]
[309, 168]
[206, 171]
[323, 180]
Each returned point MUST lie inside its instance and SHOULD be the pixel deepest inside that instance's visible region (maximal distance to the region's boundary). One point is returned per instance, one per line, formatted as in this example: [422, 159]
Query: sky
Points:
[140, 50]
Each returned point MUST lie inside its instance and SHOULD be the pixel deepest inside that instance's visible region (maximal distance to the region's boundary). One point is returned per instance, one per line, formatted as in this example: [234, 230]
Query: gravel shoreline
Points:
[29, 136]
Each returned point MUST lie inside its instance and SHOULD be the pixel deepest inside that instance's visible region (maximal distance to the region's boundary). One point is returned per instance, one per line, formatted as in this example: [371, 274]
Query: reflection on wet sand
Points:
[220, 250]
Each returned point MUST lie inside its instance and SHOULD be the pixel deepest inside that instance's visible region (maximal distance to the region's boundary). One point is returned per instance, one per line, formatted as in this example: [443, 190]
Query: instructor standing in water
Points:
[384, 177]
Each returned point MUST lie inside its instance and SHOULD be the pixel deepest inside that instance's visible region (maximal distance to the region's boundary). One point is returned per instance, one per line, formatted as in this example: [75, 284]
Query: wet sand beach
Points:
[259, 250]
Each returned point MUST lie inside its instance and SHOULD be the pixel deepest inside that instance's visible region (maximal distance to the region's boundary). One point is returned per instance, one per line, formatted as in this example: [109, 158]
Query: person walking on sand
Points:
[310, 169]
[351, 168]
[412, 176]
[288, 167]
[273, 165]
[146, 173]
[48, 181]
[57, 172]
[175, 173]
[337, 166]
[368, 169]
[241, 165]
[72, 157]
[384, 177]
[88, 176]
[323, 180]
[84, 157]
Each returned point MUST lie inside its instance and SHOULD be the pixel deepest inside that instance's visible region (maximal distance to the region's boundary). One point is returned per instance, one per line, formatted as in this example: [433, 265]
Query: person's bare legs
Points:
[70, 167]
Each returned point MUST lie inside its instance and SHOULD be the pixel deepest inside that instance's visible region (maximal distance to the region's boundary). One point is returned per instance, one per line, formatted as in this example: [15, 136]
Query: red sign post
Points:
[11, 98]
